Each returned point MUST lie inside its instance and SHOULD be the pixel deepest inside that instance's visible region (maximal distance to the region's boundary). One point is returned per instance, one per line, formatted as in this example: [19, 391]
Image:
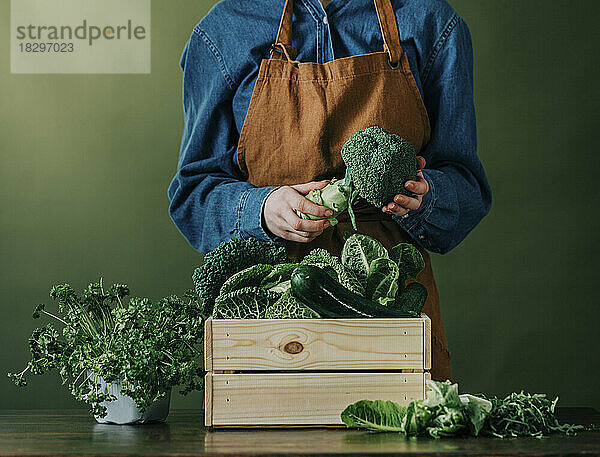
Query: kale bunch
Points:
[260, 292]
[148, 345]
[228, 258]
[378, 164]
[262, 289]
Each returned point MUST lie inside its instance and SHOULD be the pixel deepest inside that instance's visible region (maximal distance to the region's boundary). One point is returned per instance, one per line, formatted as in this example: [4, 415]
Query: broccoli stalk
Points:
[338, 196]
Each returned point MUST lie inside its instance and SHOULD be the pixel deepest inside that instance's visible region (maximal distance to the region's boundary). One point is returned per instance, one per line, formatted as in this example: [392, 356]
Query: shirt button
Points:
[421, 237]
[325, 20]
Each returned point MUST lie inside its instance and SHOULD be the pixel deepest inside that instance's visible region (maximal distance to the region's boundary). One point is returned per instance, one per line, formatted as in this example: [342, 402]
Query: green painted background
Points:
[86, 160]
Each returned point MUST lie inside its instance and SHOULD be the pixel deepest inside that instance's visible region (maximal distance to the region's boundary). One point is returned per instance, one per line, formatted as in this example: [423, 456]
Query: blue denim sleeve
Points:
[209, 200]
[459, 195]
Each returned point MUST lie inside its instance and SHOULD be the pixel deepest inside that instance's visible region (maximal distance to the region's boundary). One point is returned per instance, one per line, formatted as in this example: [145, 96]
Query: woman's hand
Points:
[281, 220]
[402, 204]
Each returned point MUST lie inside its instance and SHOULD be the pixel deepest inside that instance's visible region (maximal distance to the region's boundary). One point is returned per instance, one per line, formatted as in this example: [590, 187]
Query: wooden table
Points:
[74, 433]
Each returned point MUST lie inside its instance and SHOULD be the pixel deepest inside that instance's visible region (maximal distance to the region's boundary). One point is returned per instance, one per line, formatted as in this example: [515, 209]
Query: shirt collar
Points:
[318, 6]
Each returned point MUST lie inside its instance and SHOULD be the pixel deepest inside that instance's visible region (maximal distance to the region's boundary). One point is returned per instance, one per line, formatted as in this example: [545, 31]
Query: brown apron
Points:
[301, 114]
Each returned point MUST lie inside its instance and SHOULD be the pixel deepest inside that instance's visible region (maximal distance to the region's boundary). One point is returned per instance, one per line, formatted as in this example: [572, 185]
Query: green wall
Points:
[86, 160]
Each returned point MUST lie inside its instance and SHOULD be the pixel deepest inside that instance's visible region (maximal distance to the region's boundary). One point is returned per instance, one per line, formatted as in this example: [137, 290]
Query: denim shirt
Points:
[211, 202]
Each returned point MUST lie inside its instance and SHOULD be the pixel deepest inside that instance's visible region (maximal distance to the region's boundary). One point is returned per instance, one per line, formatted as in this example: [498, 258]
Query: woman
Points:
[273, 89]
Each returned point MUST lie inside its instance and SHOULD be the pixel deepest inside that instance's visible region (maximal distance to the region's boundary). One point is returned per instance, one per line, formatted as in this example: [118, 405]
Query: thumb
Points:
[307, 187]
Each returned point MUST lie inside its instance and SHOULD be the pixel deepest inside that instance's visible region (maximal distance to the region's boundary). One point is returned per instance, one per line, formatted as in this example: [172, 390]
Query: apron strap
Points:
[283, 42]
[387, 24]
[389, 31]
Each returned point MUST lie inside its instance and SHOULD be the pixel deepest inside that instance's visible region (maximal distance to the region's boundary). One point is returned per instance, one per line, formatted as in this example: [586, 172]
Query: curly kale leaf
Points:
[229, 258]
[288, 307]
[246, 303]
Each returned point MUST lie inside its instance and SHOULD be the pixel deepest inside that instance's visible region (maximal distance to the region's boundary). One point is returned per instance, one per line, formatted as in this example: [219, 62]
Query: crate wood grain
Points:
[318, 344]
[305, 398]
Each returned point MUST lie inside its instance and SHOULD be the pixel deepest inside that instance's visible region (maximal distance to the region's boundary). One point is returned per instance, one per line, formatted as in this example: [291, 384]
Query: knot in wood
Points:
[293, 347]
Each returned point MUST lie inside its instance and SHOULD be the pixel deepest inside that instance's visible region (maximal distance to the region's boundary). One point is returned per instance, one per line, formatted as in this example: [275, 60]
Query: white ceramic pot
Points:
[124, 411]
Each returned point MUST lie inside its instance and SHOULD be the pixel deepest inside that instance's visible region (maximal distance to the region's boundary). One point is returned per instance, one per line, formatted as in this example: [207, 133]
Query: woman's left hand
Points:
[402, 204]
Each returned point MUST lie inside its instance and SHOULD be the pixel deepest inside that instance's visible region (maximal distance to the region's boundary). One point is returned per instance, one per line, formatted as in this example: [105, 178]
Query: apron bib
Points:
[301, 114]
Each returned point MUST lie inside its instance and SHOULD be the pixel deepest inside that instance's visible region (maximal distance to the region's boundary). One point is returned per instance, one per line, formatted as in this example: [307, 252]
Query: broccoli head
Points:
[229, 258]
[378, 164]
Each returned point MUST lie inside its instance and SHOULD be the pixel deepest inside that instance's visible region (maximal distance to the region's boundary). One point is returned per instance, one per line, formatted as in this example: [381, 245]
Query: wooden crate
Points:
[304, 372]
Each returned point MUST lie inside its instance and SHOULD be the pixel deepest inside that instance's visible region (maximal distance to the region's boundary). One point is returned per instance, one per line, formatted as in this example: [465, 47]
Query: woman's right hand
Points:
[281, 220]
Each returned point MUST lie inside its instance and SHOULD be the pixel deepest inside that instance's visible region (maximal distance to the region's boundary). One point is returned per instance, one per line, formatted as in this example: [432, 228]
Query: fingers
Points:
[290, 227]
[307, 187]
[301, 230]
[304, 205]
[402, 204]
[421, 162]
[281, 219]
[301, 237]
[296, 224]
[396, 210]
[407, 202]
[420, 187]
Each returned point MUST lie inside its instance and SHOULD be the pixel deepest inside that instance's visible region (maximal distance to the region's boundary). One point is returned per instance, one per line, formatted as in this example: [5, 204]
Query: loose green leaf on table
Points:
[524, 414]
[445, 413]
[478, 409]
[375, 415]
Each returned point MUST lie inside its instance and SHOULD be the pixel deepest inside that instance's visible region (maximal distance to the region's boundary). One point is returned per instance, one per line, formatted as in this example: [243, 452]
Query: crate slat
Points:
[427, 342]
[208, 399]
[301, 398]
[318, 344]
[208, 336]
